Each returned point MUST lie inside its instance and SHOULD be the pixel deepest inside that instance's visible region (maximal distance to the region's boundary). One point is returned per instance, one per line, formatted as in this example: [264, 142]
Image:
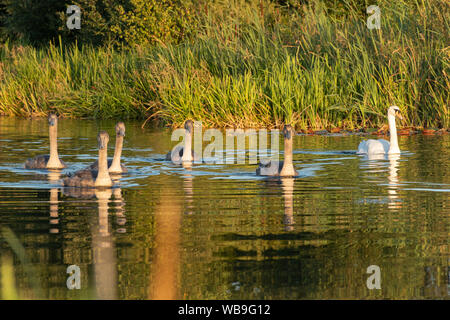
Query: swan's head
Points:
[189, 125]
[103, 139]
[394, 111]
[287, 131]
[52, 119]
[120, 129]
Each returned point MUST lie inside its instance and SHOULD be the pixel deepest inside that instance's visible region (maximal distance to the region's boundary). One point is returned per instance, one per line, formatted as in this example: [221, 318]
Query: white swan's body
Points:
[373, 146]
[382, 146]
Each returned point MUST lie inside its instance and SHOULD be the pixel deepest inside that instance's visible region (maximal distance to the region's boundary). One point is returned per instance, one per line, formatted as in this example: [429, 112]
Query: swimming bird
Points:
[114, 165]
[90, 178]
[280, 168]
[382, 146]
[178, 154]
[51, 161]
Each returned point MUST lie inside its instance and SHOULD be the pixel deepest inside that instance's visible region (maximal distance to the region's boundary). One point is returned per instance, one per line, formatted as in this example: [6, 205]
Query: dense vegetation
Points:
[228, 63]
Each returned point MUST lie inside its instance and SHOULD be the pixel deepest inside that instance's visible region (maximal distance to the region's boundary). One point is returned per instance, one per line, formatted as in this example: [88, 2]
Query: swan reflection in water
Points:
[188, 187]
[105, 264]
[53, 177]
[119, 210]
[103, 248]
[394, 202]
[287, 189]
[377, 164]
[119, 203]
[287, 185]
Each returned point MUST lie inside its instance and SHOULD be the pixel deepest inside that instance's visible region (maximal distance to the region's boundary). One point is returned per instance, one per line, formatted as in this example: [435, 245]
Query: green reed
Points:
[249, 68]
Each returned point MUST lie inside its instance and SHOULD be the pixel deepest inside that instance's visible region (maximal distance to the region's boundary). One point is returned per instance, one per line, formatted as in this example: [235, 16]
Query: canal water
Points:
[217, 231]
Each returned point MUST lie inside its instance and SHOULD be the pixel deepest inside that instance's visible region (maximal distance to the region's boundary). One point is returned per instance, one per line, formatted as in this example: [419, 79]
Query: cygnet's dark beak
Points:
[101, 143]
[121, 132]
[102, 139]
[51, 121]
[287, 132]
[189, 125]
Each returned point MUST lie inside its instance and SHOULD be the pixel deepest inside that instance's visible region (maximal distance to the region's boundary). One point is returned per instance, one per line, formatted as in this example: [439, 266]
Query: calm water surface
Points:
[218, 231]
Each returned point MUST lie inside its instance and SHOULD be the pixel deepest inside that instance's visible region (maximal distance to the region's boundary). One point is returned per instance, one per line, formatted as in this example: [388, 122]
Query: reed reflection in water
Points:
[164, 281]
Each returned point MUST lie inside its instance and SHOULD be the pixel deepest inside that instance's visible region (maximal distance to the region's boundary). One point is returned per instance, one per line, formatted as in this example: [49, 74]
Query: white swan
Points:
[372, 146]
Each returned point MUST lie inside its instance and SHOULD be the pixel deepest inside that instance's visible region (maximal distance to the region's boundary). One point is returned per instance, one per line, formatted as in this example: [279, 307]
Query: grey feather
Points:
[176, 155]
[94, 166]
[269, 168]
[39, 162]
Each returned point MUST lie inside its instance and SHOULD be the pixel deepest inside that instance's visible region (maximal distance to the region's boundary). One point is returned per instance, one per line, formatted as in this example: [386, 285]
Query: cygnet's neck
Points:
[115, 165]
[53, 161]
[187, 151]
[288, 167]
[103, 178]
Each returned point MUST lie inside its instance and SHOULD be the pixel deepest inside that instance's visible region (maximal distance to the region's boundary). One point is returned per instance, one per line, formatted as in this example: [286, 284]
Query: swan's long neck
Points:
[53, 161]
[103, 178]
[288, 167]
[115, 165]
[393, 146]
[187, 152]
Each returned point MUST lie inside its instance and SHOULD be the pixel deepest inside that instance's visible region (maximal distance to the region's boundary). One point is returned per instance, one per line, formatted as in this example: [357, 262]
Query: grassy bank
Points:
[250, 68]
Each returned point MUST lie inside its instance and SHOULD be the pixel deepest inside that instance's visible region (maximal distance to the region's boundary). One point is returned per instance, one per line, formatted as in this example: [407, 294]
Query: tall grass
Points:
[251, 66]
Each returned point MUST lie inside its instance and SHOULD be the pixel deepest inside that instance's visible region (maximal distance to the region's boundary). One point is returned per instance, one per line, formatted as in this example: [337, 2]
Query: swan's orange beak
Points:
[287, 131]
[398, 115]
